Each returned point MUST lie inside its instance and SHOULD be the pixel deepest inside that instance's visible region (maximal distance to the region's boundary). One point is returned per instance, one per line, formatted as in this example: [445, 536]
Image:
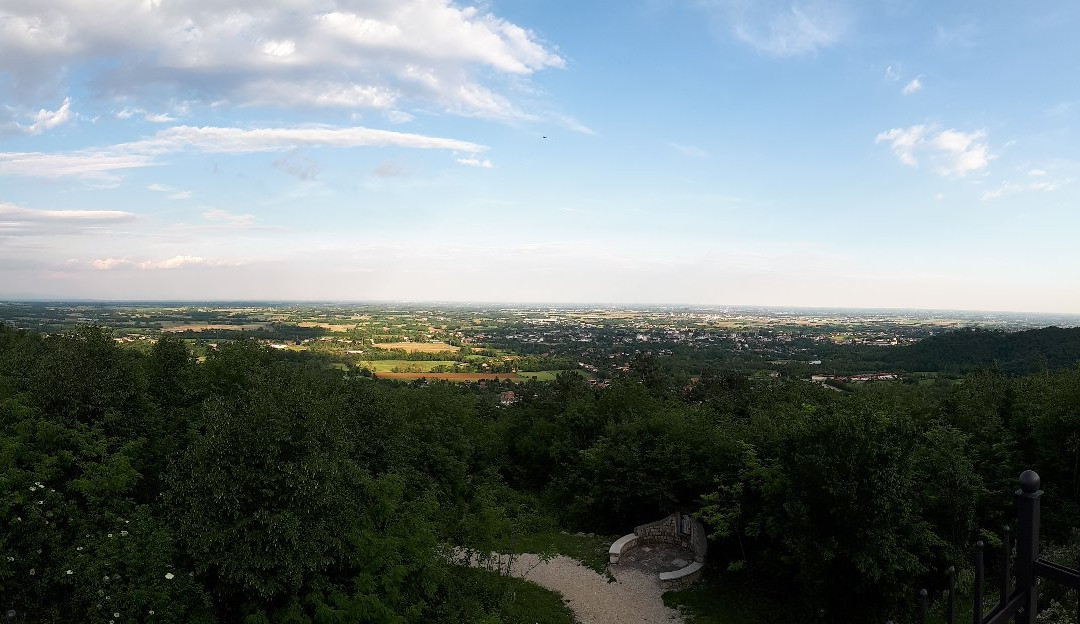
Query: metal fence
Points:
[1021, 601]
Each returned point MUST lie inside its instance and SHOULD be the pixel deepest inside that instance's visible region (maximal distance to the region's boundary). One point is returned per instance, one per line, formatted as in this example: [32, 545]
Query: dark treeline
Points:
[263, 486]
[967, 350]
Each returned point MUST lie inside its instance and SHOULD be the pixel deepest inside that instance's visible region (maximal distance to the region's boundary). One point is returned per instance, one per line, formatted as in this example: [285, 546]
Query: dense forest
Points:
[266, 487]
[967, 350]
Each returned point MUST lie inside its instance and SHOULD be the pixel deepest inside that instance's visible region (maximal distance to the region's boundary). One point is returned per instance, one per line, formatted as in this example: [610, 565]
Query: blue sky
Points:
[814, 153]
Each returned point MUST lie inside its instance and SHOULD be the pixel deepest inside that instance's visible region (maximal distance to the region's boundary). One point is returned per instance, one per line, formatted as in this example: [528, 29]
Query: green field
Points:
[540, 375]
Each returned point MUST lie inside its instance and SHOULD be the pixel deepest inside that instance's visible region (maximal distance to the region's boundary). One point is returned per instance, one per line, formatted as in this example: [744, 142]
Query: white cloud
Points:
[476, 162]
[1036, 173]
[173, 193]
[912, 87]
[47, 120]
[240, 140]
[86, 165]
[1012, 188]
[952, 152]
[107, 264]
[103, 163]
[175, 262]
[327, 53]
[19, 221]
[782, 27]
[11, 211]
[159, 118]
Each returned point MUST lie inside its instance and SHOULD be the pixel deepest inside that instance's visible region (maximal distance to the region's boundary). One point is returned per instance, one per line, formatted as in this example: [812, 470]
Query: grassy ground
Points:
[590, 550]
[540, 375]
[525, 602]
[726, 599]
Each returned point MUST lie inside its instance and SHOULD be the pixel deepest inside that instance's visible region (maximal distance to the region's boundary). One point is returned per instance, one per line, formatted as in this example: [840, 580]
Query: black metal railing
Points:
[1021, 602]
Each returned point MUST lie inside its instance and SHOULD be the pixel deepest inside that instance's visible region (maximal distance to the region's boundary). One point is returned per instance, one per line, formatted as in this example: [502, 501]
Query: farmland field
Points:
[386, 366]
[207, 326]
[334, 327]
[418, 347]
[465, 377]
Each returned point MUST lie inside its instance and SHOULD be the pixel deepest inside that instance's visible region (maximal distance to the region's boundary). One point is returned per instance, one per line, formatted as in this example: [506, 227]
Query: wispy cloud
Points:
[1013, 188]
[229, 218]
[47, 120]
[783, 27]
[476, 162]
[688, 150]
[172, 193]
[103, 164]
[912, 87]
[175, 262]
[9, 211]
[952, 152]
[20, 221]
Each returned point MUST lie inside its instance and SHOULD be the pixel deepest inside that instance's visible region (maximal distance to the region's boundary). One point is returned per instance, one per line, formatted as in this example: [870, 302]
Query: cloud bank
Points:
[379, 54]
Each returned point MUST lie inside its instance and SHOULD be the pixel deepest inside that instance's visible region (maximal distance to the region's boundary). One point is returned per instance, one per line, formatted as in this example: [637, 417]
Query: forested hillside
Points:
[1013, 352]
[265, 486]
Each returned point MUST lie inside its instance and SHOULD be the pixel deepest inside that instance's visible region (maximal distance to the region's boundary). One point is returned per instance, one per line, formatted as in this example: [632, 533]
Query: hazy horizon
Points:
[626, 305]
[803, 153]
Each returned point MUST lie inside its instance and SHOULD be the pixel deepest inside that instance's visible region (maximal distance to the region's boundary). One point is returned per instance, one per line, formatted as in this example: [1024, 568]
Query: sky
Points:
[841, 153]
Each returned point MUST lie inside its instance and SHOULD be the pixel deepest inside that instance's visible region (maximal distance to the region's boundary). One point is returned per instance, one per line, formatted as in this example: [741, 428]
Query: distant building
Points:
[506, 399]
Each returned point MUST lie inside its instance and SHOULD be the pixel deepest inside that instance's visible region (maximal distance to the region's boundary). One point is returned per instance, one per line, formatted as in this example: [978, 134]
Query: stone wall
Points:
[666, 531]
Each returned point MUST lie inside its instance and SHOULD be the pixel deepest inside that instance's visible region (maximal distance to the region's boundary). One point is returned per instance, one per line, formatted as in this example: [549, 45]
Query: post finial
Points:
[1030, 481]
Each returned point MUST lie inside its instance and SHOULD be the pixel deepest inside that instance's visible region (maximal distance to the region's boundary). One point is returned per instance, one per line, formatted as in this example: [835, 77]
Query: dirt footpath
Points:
[633, 599]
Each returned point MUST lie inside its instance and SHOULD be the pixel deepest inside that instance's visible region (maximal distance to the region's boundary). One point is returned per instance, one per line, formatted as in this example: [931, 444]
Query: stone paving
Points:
[655, 558]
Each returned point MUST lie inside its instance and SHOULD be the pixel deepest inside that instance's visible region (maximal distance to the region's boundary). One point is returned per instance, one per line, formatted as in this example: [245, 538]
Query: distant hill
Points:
[968, 349]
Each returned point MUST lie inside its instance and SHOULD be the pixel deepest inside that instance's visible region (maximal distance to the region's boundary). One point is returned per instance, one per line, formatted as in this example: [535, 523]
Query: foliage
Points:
[263, 486]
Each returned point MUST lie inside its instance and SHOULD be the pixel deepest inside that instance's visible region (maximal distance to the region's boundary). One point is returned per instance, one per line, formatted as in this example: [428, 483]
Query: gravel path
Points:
[633, 599]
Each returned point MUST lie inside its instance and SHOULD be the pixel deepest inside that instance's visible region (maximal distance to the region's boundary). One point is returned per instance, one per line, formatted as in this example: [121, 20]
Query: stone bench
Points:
[682, 577]
[624, 543]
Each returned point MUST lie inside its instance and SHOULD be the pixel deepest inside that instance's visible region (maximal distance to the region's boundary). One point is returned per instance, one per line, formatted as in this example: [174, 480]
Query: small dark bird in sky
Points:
[543, 137]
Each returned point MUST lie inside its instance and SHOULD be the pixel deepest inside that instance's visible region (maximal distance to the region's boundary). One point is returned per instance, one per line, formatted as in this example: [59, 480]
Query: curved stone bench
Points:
[666, 531]
[624, 543]
[682, 577]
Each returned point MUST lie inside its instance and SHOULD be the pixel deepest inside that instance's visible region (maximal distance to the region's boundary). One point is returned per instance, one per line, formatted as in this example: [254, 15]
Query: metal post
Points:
[922, 606]
[1027, 543]
[1006, 557]
[951, 615]
[976, 593]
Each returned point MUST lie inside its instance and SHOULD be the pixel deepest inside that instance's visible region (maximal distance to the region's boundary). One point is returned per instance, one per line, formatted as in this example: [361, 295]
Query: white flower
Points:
[116, 615]
[151, 612]
[70, 572]
[33, 489]
[33, 571]
[78, 548]
[110, 534]
[41, 502]
[106, 577]
[169, 576]
[123, 533]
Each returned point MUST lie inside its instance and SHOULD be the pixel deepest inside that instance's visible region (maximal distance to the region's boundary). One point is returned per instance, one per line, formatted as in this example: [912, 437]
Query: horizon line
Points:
[522, 304]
